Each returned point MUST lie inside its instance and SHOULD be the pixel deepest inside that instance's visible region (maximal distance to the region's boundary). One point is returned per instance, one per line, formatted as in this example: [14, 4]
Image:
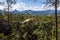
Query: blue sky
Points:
[31, 2]
[28, 5]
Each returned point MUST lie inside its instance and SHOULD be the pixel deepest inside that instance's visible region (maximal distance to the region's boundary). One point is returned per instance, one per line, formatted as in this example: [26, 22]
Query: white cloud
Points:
[23, 6]
[58, 8]
[2, 7]
[19, 6]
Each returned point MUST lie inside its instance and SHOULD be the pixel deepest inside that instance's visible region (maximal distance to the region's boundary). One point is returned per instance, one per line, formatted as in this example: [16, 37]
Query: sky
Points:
[22, 5]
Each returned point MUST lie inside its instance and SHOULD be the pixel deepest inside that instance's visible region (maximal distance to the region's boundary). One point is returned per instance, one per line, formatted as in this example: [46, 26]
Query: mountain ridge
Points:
[36, 12]
[32, 12]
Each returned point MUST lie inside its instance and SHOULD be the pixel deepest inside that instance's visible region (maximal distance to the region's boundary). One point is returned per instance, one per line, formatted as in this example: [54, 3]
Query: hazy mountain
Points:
[36, 12]
[1, 11]
[51, 12]
[15, 11]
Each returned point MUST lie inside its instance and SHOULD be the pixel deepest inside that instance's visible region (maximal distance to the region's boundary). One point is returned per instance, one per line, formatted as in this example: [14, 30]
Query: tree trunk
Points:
[56, 19]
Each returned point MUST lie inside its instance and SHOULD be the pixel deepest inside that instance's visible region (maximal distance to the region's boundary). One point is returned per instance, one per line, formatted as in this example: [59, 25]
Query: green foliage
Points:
[41, 28]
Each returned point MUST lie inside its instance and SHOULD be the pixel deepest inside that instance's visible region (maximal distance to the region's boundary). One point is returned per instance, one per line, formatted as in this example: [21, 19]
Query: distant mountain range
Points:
[51, 12]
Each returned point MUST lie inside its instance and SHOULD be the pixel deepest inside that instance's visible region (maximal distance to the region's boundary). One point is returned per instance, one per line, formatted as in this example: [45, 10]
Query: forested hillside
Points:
[28, 27]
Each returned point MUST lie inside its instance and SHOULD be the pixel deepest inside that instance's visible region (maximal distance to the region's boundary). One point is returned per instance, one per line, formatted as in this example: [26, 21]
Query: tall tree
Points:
[54, 3]
[9, 4]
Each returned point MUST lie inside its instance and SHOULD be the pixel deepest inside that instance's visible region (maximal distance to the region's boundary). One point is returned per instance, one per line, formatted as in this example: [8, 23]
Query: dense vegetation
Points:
[40, 28]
